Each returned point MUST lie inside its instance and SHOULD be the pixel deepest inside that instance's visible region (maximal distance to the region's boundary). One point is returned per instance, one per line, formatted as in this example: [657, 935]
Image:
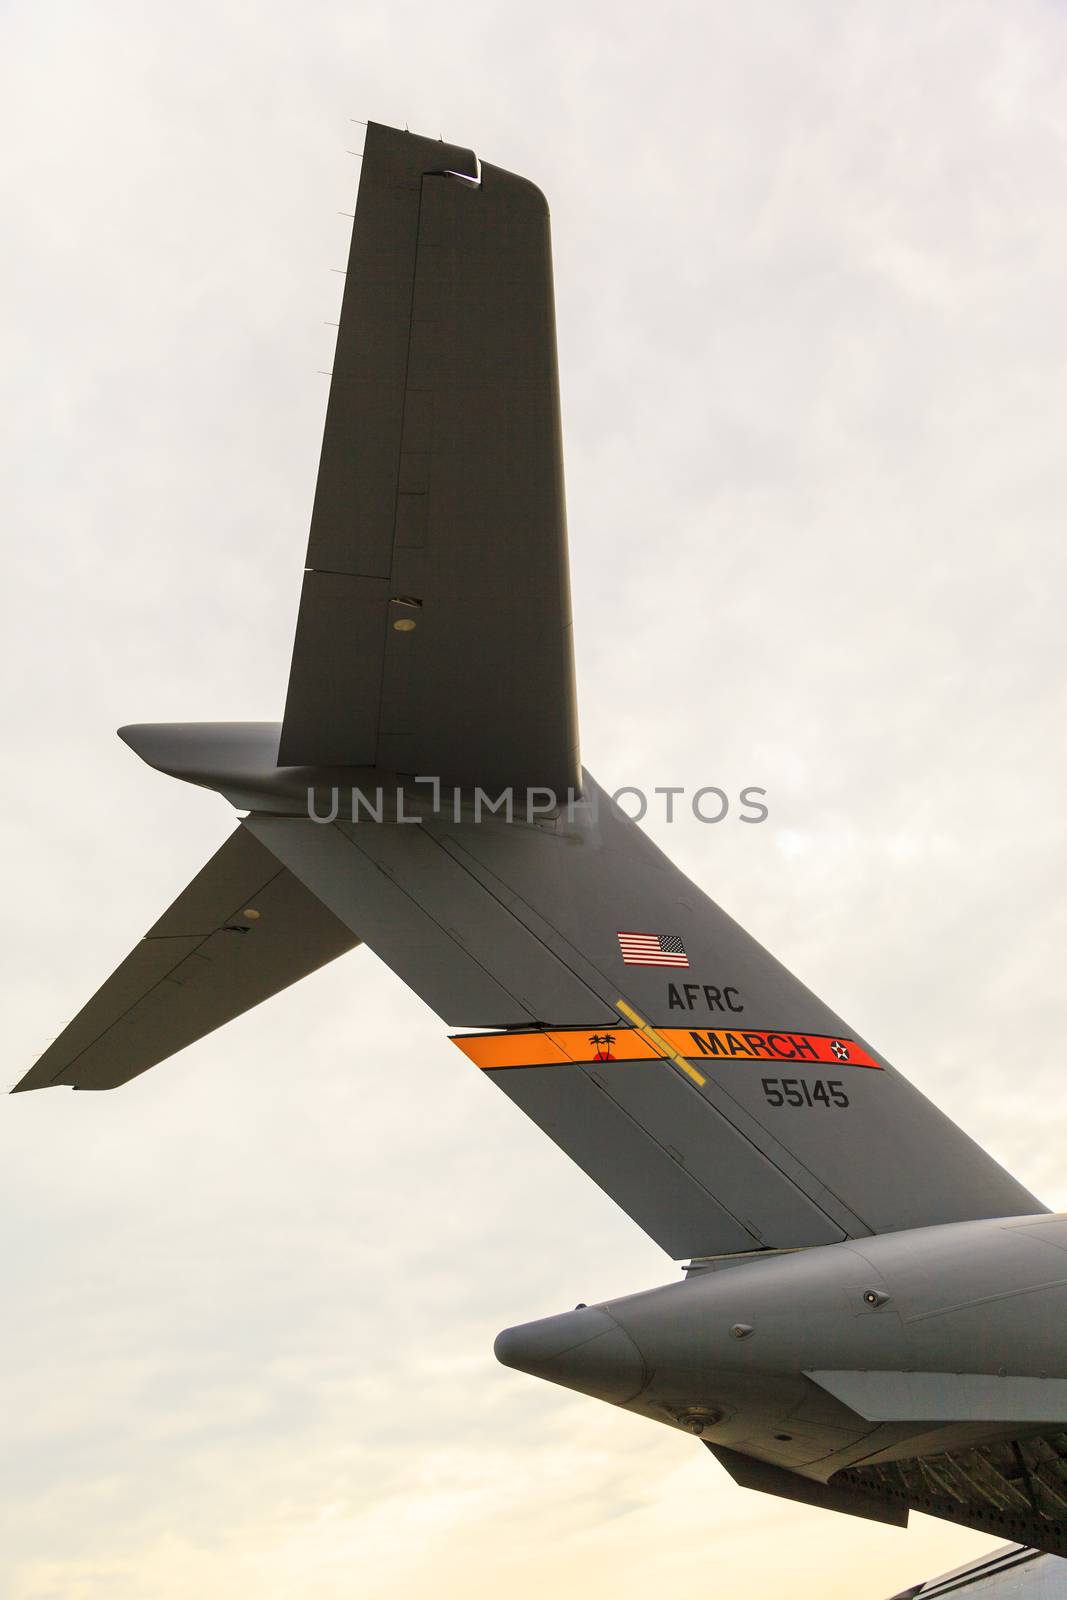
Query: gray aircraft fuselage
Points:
[732, 1353]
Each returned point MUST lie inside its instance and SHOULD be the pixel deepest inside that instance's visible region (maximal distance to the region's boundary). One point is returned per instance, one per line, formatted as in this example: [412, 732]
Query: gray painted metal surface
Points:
[244, 929]
[503, 925]
[874, 1319]
[1014, 1573]
[440, 501]
[778, 1360]
[764, 1476]
[947, 1396]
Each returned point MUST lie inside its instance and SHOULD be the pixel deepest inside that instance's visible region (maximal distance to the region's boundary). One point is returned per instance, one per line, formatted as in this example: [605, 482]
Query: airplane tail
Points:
[723, 1105]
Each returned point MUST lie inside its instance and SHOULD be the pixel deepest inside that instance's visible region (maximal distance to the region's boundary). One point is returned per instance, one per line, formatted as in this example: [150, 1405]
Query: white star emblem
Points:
[840, 1050]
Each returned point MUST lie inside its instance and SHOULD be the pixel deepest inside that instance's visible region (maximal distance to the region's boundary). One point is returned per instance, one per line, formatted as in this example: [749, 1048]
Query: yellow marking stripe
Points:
[657, 1039]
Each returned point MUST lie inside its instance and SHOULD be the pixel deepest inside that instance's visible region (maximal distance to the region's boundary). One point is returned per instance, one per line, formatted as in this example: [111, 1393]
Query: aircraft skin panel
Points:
[770, 1103]
[434, 924]
[643, 1177]
[354, 511]
[591, 879]
[765, 1476]
[595, 874]
[146, 966]
[740, 1200]
[205, 961]
[534, 970]
[947, 1396]
[460, 949]
[339, 642]
[434, 631]
[716, 1154]
[1013, 1573]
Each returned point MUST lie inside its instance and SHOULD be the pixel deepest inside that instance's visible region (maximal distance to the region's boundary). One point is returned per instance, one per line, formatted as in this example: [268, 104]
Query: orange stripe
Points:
[544, 1048]
[511, 1049]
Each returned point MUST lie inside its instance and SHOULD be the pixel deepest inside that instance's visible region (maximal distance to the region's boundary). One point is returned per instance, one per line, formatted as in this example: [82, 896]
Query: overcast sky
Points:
[810, 261]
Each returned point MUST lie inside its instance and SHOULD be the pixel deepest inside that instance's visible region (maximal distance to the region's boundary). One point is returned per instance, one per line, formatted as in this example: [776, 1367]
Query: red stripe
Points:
[655, 961]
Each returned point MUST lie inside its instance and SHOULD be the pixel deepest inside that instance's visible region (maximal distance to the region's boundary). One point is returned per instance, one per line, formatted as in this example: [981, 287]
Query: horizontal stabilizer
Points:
[244, 929]
[947, 1396]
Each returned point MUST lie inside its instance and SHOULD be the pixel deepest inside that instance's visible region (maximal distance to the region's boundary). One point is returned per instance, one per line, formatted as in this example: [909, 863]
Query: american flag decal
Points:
[652, 950]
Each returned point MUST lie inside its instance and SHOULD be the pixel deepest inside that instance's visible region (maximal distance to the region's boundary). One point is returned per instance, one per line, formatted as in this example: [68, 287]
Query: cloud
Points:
[809, 268]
